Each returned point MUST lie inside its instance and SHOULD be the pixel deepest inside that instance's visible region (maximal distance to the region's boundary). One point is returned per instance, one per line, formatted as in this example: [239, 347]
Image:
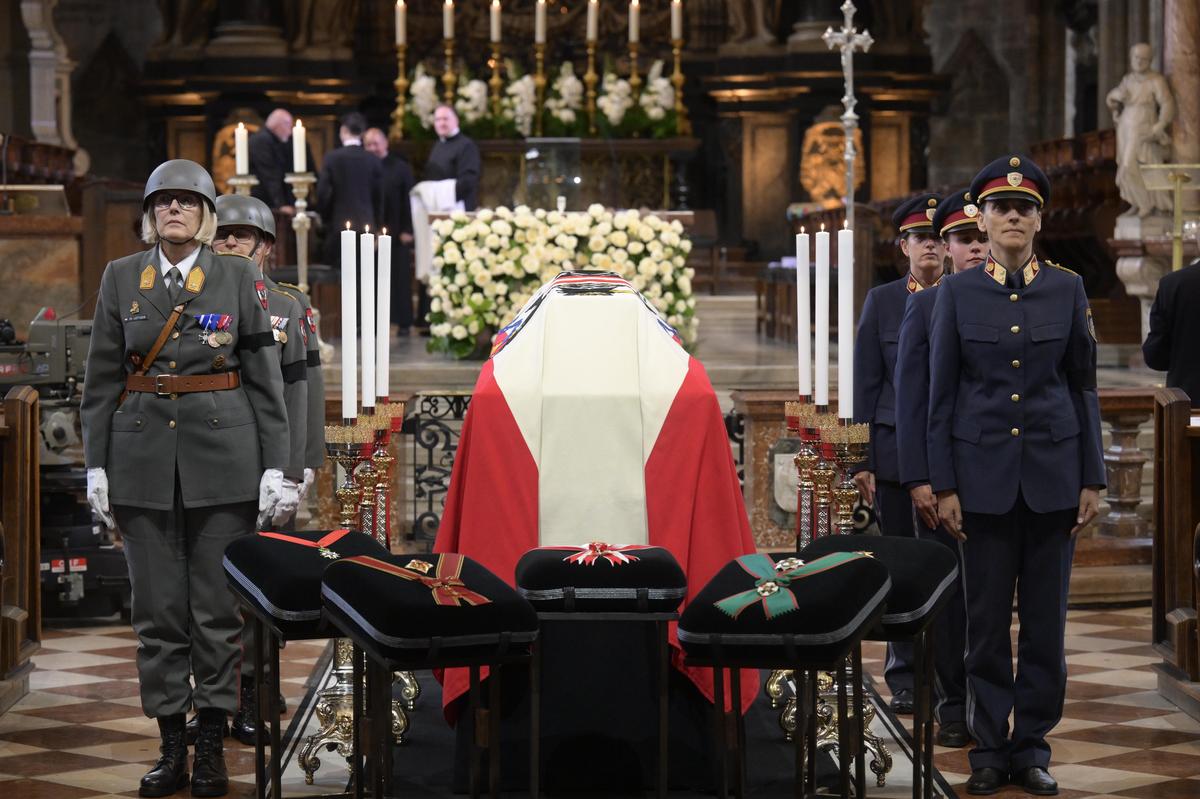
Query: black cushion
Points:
[924, 574]
[415, 609]
[601, 577]
[775, 614]
[280, 574]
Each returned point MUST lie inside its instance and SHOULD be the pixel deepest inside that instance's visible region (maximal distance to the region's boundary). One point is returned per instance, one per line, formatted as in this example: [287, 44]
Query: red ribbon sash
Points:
[445, 584]
[329, 538]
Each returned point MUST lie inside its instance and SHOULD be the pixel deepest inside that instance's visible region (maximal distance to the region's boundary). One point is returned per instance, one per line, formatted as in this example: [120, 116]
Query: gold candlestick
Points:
[448, 77]
[850, 443]
[342, 449]
[539, 82]
[805, 460]
[242, 184]
[495, 83]
[401, 83]
[635, 80]
[683, 125]
[824, 475]
[590, 79]
[301, 183]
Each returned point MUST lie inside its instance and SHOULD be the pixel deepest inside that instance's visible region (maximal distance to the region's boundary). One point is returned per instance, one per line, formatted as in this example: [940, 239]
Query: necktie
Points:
[174, 283]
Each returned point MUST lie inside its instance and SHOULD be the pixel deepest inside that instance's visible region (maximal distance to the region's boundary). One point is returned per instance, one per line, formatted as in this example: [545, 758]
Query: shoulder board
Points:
[282, 293]
[1060, 267]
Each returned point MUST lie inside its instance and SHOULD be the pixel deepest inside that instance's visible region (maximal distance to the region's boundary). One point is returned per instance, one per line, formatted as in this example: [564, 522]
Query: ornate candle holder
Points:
[850, 447]
[242, 184]
[799, 419]
[824, 474]
[495, 83]
[590, 79]
[396, 133]
[683, 125]
[301, 183]
[539, 83]
[366, 476]
[343, 443]
[635, 80]
[449, 79]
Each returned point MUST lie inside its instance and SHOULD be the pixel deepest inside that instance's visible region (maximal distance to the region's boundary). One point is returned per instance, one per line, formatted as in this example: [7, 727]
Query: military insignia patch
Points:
[312, 323]
[134, 307]
[1014, 161]
[147, 281]
[195, 281]
[1015, 178]
[1091, 323]
[261, 289]
[218, 362]
[971, 210]
[419, 566]
[929, 212]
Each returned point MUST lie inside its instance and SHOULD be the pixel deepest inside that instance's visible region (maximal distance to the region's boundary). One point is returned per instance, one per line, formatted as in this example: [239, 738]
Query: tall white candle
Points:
[821, 393]
[448, 20]
[676, 20]
[401, 22]
[366, 262]
[803, 314]
[634, 9]
[299, 148]
[241, 152]
[495, 20]
[845, 323]
[349, 325]
[539, 23]
[383, 316]
[593, 20]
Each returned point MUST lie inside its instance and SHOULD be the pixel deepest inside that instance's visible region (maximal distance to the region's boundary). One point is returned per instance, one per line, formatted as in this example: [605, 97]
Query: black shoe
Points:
[193, 728]
[170, 772]
[244, 724]
[209, 777]
[953, 735]
[984, 781]
[902, 703]
[1037, 781]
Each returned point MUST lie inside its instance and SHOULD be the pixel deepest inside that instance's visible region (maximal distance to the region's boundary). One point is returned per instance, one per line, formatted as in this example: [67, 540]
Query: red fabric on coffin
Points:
[693, 500]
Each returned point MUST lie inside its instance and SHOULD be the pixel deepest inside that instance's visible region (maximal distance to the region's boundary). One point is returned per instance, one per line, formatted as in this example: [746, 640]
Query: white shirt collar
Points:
[184, 266]
[453, 133]
[352, 142]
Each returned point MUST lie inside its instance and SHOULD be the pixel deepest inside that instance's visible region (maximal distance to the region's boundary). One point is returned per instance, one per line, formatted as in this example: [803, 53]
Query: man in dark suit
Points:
[454, 156]
[875, 397]
[1174, 327]
[271, 159]
[350, 188]
[397, 218]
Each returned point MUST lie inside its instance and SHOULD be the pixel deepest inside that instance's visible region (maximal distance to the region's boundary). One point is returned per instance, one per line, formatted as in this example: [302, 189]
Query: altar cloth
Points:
[548, 456]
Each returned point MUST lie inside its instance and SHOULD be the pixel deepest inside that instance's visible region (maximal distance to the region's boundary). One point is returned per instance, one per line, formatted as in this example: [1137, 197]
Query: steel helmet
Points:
[238, 209]
[180, 174]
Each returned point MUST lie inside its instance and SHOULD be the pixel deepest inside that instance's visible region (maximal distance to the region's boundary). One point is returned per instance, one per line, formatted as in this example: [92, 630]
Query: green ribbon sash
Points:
[771, 586]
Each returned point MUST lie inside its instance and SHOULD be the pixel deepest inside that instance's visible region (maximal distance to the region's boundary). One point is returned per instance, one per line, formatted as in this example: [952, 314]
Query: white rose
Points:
[483, 278]
[680, 306]
[458, 332]
[636, 248]
[473, 327]
[603, 228]
[684, 283]
[440, 330]
[619, 238]
[435, 304]
[620, 256]
[669, 296]
[647, 268]
[645, 232]
[492, 241]
[689, 272]
[460, 279]
[596, 244]
[501, 227]
[639, 282]
[459, 216]
[659, 303]
[666, 269]
[596, 210]
[685, 245]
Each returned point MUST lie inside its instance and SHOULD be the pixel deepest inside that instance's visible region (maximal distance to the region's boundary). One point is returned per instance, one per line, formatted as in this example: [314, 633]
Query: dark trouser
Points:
[1030, 553]
[949, 641]
[894, 509]
[402, 286]
[184, 614]
[423, 305]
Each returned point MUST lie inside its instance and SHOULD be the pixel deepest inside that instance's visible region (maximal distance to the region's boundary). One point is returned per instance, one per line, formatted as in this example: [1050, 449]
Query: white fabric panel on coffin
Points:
[425, 198]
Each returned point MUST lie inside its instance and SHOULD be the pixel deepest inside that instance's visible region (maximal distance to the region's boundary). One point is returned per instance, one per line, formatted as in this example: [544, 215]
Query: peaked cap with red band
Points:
[955, 211]
[1012, 177]
[916, 214]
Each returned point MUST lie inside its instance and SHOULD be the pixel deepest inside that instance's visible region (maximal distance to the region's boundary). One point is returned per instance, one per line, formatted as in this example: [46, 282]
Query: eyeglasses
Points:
[242, 235]
[187, 201]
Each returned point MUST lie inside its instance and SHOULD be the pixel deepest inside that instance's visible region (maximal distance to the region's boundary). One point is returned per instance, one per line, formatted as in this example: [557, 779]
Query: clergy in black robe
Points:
[350, 188]
[397, 218]
[455, 156]
[271, 159]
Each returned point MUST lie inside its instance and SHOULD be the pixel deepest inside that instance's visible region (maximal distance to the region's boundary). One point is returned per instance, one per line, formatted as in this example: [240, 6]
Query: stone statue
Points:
[321, 26]
[186, 25]
[748, 23]
[1142, 107]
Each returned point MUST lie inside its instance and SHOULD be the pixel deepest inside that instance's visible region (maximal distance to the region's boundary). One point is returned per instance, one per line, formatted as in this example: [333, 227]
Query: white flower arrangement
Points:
[423, 96]
[519, 103]
[566, 96]
[487, 266]
[471, 104]
[658, 95]
[616, 97]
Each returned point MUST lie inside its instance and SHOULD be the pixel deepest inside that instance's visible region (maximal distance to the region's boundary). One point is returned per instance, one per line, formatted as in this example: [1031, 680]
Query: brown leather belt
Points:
[166, 385]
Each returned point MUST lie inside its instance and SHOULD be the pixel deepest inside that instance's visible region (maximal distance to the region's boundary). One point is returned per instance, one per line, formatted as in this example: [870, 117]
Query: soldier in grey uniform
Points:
[186, 436]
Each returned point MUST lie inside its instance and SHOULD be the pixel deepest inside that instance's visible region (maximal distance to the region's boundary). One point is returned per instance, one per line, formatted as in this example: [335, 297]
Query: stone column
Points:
[1138, 271]
[43, 68]
[1181, 64]
[1112, 45]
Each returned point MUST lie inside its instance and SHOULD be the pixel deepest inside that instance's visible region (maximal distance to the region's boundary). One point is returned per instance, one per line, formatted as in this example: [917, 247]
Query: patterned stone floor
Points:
[81, 734]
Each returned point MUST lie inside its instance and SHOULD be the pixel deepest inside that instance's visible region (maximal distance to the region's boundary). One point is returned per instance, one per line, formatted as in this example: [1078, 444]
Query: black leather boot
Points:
[170, 772]
[209, 777]
[244, 725]
[193, 729]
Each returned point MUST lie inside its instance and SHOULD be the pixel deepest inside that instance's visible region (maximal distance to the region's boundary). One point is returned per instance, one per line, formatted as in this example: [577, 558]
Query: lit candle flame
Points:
[347, 224]
[802, 228]
[822, 227]
[384, 232]
[366, 228]
[845, 224]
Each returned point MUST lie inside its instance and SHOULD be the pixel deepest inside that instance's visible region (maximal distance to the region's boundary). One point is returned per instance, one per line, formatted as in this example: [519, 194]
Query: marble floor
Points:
[80, 733]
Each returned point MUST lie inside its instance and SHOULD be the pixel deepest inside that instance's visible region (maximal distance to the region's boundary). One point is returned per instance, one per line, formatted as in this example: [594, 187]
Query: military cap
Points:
[1013, 177]
[180, 174]
[955, 211]
[916, 214]
[237, 209]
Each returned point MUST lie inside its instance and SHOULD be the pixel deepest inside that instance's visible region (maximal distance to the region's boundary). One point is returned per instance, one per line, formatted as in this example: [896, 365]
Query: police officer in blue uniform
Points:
[875, 398]
[954, 221]
[1015, 461]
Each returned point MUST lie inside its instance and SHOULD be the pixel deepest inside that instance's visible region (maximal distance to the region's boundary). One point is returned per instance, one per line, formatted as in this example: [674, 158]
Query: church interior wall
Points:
[14, 71]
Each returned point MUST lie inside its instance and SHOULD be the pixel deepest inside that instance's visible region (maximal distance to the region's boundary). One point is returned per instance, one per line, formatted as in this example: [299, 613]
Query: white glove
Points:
[270, 491]
[97, 495]
[309, 476]
[288, 502]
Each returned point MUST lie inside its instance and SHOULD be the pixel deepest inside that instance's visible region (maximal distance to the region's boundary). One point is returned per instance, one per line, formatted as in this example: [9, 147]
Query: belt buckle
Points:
[158, 386]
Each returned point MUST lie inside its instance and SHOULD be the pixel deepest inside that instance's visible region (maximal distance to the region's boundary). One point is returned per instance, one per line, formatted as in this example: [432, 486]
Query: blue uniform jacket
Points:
[1012, 401]
[874, 374]
[912, 388]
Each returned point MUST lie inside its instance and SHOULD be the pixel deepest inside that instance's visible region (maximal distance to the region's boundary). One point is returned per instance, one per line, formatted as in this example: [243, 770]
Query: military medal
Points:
[278, 323]
[218, 362]
[327, 553]
[772, 584]
[224, 337]
[214, 329]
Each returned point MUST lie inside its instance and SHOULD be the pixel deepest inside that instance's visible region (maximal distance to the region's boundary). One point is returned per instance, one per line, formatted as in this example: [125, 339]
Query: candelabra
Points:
[242, 184]
[590, 79]
[539, 83]
[301, 183]
[448, 77]
[495, 83]
[635, 80]
[344, 443]
[799, 419]
[683, 125]
[850, 444]
[401, 83]
[824, 474]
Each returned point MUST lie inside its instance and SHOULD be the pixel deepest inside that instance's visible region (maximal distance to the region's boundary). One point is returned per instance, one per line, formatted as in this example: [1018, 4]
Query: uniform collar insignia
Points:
[995, 271]
[915, 285]
[195, 279]
[1031, 270]
[147, 281]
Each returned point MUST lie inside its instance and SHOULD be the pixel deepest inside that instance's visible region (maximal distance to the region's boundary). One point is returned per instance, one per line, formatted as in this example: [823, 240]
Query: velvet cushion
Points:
[780, 613]
[282, 578]
[417, 608]
[924, 573]
[601, 577]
